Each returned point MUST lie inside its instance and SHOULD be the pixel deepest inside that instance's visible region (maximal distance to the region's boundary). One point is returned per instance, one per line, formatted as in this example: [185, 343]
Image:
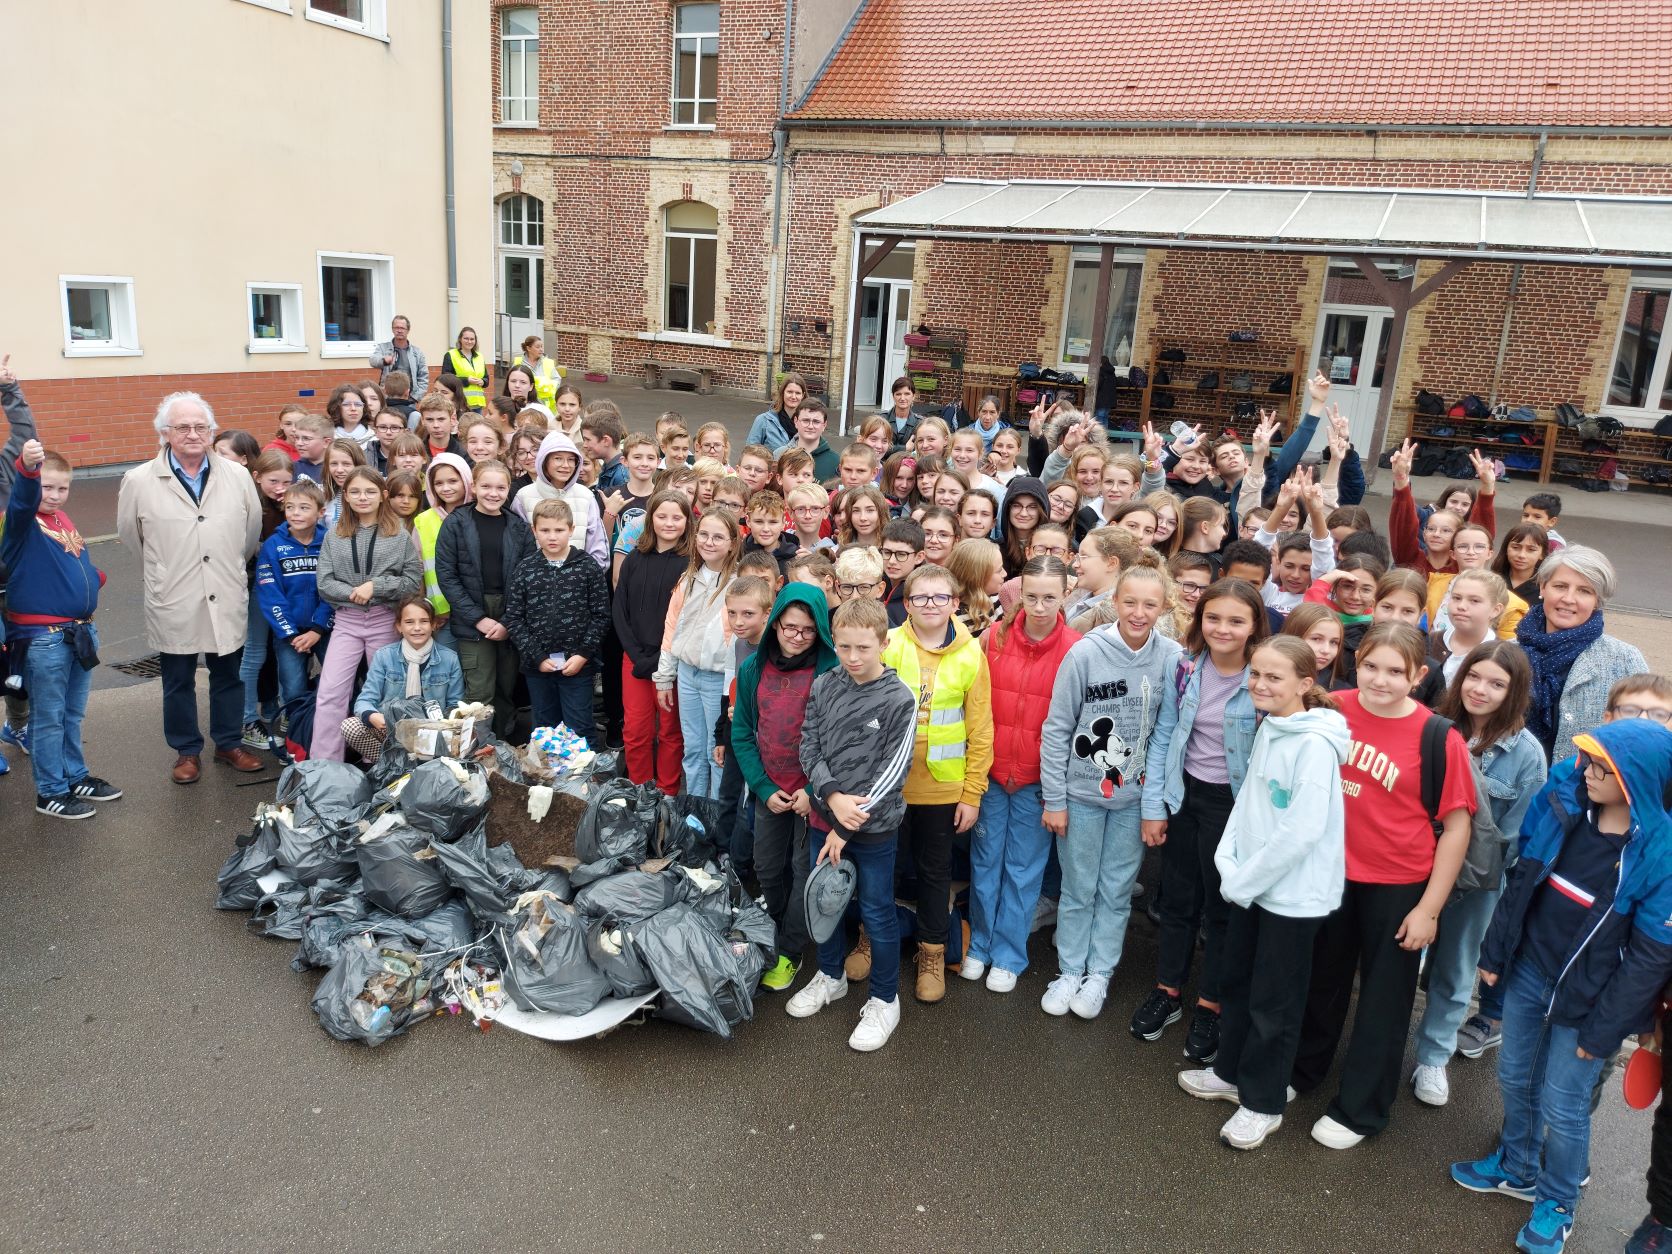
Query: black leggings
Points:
[928, 831]
[1190, 889]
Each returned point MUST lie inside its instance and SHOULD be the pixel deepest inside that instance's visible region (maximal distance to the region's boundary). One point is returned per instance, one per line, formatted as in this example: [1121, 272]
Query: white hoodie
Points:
[1284, 847]
[588, 520]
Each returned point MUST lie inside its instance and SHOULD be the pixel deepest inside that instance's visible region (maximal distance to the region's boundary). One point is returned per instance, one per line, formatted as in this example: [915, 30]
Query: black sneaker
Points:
[1158, 1013]
[65, 807]
[1201, 1043]
[92, 788]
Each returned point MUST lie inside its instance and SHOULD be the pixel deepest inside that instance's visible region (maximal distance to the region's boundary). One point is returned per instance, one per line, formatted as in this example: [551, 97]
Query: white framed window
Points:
[1076, 347]
[1640, 380]
[275, 318]
[696, 64]
[356, 300]
[278, 6]
[519, 66]
[99, 316]
[522, 222]
[692, 254]
[363, 17]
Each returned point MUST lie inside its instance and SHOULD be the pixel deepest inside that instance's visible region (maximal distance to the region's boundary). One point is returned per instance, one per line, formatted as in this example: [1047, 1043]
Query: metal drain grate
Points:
[148, 667]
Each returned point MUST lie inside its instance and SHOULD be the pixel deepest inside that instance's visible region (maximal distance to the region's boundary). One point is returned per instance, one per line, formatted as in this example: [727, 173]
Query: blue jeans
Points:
[1451, 974]
[293, 668]
[565, 699]
[1546, 1088]
[875, 894]
[256, 638]
[1100, 852]
[701, 696]
[58, 687]
[1007, 862]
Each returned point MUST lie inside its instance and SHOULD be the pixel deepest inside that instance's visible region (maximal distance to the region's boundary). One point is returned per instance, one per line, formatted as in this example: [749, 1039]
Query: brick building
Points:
[702, 206]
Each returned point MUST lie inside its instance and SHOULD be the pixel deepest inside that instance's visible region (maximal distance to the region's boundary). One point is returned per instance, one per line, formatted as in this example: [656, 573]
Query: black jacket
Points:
[458, 565]
[786, 549]
[643, 592]
[557, 609]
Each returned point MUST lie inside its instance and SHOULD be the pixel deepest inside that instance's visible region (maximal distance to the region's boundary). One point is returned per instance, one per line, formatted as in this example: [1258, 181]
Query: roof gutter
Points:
[780, 148]
[1207, 124]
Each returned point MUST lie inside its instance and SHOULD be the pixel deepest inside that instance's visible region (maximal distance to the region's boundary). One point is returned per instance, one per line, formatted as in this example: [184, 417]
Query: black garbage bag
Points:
[324, 792]
[592, 872]
[448, 928]
[687, 833]
[715, 894]
[316, 850]
[700, 973]
[373, 991]
[398, 871]
[754, 939]
[279, 913]
[253, 856]
[546, 965]
[632, 895]
[620, 821]
[492, 879]
[437, 802]
[333, 913]
[612, 944]
[394, 761]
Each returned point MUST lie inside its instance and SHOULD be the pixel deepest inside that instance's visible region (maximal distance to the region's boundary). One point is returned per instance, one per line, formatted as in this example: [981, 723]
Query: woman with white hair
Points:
[1575, 662]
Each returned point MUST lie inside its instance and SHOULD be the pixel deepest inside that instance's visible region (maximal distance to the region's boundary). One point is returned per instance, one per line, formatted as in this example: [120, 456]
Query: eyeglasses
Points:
[854, 589]
[1188, 589]
[1057, 551]
[1041, 603]
[926, 600]
[797, 633]
[898, 555]
[190, 428]
[1653, 713]
[1588, 764]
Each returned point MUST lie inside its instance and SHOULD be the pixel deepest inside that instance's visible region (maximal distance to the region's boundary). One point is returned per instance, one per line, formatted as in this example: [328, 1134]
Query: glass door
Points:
[1352, 352]
[521, 298]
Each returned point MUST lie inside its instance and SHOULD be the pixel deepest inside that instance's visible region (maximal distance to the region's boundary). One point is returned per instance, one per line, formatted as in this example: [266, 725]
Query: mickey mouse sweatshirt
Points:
[1105, 705]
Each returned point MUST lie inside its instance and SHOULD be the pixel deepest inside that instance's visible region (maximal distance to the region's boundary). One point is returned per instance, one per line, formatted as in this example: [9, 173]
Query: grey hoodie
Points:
[392, 564]
[1103, 708]
[587, 519]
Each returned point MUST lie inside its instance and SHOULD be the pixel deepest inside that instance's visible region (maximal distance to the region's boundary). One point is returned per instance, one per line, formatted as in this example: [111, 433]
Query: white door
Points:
[522, 299]
[899, 322]
[884, 312]
[1352, 350]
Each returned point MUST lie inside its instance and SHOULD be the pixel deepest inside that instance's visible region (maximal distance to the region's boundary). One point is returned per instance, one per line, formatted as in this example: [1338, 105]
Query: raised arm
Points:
[1404, 531]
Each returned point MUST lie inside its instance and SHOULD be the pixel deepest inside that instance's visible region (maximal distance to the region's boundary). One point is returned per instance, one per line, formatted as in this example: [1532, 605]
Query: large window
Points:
[1080, 309]
[1642, 376]
[692, 244]
[522, 222]
[696, 64]
[522, 264]
[276, 318]
[99, 317]
[363, 17]
[519, 66]
[356, 300]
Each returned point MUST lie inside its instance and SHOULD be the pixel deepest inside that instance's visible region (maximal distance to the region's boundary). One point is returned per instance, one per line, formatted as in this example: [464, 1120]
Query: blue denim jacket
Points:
[1514, 772]
[1164, 768]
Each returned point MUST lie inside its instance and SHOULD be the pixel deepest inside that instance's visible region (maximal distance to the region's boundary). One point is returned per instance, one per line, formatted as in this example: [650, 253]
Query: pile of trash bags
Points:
[394, 884]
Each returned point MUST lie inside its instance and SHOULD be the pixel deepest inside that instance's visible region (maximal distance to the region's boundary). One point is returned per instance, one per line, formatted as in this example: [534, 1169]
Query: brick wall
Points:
[102, 422]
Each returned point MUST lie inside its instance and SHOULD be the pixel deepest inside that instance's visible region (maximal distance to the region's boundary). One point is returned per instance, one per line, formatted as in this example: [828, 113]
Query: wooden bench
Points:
[666, 374]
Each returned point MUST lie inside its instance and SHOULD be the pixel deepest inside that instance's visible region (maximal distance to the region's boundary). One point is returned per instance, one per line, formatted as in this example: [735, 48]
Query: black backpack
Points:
[1474, 407]
[1430, 403]
[1432, 755]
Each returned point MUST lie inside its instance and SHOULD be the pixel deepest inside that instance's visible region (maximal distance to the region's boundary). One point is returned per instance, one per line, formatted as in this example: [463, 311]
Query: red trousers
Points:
[650, 735]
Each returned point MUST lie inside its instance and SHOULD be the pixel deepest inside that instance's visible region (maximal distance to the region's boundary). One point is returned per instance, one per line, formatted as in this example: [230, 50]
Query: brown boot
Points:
[858, 965]
[931, 972]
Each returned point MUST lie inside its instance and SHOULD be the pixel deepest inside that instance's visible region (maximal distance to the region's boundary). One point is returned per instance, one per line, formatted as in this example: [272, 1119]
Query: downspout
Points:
[778, 280]
[1515, 278]
[447, 168]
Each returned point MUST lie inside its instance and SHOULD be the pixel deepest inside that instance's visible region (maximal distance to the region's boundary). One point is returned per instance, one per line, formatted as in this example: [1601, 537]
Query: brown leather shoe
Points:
[858, 964]
[931, 972]
[239, 759]
[187, 767]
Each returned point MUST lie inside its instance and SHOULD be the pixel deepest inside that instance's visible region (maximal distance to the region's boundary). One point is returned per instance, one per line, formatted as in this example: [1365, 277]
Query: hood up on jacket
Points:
[810, 598]
[1020, 486]
[457, 463]
[555, 442]
[1639, 751]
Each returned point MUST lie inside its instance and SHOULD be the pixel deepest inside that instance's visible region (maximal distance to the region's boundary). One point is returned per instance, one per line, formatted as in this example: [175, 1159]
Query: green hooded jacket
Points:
[744, 709]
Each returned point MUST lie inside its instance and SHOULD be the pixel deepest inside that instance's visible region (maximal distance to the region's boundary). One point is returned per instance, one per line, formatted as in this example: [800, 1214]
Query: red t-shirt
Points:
[1389, 839]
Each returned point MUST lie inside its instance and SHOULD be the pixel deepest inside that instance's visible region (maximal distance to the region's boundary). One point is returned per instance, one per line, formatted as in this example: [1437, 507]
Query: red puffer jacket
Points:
[1023, 671]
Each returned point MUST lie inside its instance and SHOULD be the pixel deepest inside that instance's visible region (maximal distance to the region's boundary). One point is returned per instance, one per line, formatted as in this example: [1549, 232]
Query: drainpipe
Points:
[1515, 277]
[447, 167]
[777, 279]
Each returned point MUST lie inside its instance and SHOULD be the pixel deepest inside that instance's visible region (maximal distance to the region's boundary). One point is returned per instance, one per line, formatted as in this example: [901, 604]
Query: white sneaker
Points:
[1332, 1135]
[1088, 1002]
[1207, 1086]
[1044, 914]
[1059, 994]
[819, 992]
[972, 969]
[1430, 1085]
[999, 980]
[877, 1021]
[1248, 1129]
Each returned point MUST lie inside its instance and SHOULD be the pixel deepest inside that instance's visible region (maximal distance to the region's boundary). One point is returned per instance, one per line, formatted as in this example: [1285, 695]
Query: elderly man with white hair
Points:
[194, 519]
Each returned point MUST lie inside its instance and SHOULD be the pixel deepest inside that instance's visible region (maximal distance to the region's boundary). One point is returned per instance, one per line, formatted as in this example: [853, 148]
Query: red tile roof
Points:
[1372, 62]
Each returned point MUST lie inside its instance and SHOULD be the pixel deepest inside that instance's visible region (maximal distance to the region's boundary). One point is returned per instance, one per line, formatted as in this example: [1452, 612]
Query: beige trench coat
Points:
[194, 553]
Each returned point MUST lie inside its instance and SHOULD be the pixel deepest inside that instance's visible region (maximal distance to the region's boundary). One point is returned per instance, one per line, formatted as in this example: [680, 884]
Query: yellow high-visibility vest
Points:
[548, 377]
[475, 394]
[955, 675]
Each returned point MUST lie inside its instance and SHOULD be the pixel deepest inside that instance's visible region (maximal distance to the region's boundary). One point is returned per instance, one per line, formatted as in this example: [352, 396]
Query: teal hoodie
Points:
[744, 708]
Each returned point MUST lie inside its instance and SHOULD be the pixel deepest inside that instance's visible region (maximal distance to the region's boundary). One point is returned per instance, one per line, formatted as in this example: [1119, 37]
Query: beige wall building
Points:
[237, 200]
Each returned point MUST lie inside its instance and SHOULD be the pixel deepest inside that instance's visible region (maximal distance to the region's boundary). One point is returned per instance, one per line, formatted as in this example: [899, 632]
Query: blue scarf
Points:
[1552, 654]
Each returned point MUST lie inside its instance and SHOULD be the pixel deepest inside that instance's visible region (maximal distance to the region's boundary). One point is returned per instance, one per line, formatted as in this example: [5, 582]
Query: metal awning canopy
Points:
[1466, 225]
